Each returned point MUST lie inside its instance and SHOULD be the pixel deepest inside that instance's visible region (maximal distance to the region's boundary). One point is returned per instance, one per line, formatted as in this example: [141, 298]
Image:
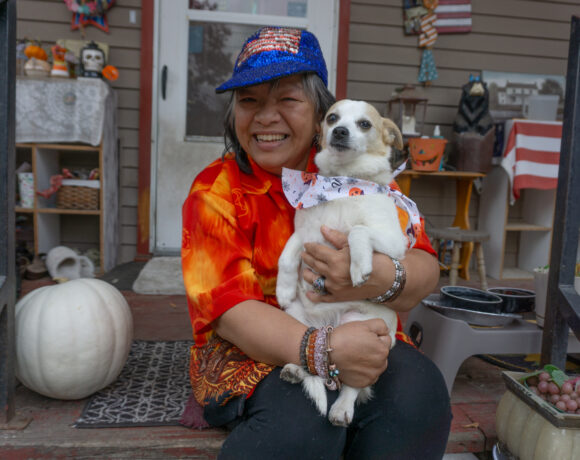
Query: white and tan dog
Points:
[356, 143]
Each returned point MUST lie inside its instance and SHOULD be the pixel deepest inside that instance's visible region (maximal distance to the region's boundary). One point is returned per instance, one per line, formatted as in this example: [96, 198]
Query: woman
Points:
[236, 221]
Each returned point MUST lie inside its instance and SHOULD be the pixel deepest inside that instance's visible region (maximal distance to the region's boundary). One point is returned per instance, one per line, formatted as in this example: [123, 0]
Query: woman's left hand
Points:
[334, 265]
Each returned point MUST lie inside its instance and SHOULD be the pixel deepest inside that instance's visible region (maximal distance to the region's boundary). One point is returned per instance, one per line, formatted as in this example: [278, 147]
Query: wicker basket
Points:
[77, 197]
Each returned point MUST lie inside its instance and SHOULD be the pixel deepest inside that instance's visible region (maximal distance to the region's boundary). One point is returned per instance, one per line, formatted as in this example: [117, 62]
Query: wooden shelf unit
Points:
[531, 217]
[76, 228]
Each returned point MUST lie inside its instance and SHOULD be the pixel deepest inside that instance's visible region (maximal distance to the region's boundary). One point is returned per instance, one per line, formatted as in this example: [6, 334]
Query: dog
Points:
[357, 143]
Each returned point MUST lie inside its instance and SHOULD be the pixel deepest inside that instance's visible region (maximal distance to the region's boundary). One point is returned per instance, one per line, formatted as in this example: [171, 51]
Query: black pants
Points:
[408, 418]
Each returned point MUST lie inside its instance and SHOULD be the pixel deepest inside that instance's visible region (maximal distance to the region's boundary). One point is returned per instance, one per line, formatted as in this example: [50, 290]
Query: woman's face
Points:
[275, 124]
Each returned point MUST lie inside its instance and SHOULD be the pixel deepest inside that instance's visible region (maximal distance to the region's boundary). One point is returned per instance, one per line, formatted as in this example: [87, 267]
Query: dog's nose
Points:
[339, 133]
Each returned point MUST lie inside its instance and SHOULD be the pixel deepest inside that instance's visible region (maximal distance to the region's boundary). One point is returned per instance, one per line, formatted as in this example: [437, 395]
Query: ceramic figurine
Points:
[473, 113]
[59, 64]
[473, 128]
[92, 61]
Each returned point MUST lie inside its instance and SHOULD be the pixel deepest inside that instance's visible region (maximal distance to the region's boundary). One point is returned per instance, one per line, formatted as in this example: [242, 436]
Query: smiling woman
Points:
[236, 222]
[277, 124]
[305, 92]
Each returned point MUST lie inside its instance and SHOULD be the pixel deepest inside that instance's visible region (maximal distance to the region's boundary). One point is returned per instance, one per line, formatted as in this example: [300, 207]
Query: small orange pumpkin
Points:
[110, 72]
[35, 51]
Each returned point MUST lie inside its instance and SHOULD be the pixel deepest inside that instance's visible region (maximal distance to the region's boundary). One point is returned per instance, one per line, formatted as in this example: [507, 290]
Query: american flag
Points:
[272, 39]
[453, 16]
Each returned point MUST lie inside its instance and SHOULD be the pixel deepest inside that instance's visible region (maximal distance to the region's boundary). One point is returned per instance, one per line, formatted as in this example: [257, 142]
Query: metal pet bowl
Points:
[515, 300]
[471, 299]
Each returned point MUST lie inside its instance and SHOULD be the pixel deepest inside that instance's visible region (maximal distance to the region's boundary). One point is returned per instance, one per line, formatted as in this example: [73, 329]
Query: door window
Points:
[217, 29]
[213, 49]
[274, 8]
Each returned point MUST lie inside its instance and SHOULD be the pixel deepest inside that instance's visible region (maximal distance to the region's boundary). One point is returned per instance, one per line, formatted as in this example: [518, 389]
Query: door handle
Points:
[163, 82]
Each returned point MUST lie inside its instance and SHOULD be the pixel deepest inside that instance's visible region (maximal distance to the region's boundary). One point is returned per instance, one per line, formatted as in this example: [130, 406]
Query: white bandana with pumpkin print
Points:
[304, 190]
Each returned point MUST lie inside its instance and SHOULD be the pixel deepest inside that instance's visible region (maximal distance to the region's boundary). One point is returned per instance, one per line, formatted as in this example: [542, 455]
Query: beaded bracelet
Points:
[397, 287]
[332, 382]
[311, 347]
[320, 355]
[303, 347]
[314, 356]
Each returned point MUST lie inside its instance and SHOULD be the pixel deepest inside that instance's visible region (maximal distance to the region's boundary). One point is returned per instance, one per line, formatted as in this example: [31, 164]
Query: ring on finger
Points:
[318, 285]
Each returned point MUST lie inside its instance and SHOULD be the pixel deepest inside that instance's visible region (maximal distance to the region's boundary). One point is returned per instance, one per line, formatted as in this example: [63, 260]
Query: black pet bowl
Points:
[515, 300]
[471, 299]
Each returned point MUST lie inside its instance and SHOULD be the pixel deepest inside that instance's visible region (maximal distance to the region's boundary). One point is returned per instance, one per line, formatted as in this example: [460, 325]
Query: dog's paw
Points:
[285, 295]
[292, 373]
[316, 391]
[358, 279]
[341, 413]
[361, 266]
[365, 394]
[360, 273]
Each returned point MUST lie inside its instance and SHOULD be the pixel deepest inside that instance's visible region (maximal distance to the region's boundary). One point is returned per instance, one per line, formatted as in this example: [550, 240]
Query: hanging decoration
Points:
[427, 39]
[453, 16]
[428, 19]
[89, 13]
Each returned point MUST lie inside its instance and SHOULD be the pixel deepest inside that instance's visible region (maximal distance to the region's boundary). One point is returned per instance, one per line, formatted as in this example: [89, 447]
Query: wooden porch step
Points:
[51, 433]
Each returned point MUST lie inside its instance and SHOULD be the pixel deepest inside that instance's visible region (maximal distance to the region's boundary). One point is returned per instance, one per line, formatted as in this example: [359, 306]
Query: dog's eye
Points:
[331, 118]
[364, 124]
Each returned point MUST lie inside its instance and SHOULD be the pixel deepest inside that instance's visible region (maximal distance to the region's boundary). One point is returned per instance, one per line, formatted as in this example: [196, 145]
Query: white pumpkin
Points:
[529, 436]
[72, 339]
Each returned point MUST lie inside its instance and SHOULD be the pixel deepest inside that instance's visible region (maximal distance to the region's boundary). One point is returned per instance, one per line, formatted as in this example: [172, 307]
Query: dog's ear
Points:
[391, 134]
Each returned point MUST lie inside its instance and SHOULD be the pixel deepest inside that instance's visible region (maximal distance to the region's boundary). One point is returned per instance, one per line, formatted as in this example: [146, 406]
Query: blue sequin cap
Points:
[274, 52]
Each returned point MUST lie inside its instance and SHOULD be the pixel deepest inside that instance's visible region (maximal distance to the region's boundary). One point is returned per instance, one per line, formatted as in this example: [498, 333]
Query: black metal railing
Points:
[7, 255]
[563, 302]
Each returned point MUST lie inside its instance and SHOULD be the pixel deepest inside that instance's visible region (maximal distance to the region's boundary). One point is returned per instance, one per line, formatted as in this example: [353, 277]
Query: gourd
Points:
[35, 51]
[72, 339]
[36, 68]
[530, 436]
[110, 72]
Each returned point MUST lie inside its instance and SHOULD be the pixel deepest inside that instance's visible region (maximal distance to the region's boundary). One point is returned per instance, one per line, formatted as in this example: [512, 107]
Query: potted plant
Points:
[534, 422]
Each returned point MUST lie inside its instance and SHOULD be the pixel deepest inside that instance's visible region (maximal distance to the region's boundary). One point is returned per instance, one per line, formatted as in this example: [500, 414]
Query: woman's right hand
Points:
[360, 351]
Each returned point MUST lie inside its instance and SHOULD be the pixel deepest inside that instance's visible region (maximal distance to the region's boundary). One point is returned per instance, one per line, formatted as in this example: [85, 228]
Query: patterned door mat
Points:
[152, 389]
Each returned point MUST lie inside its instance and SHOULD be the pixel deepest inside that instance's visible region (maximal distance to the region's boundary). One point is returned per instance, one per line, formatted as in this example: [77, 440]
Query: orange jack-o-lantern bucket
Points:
[426, 153]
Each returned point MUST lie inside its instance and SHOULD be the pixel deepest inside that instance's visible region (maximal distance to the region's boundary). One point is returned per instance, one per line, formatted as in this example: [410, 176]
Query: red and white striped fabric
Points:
[532, 155]
[453, 16]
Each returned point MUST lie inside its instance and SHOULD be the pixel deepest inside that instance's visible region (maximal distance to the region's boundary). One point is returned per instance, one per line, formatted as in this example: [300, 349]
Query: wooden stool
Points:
[460, 236]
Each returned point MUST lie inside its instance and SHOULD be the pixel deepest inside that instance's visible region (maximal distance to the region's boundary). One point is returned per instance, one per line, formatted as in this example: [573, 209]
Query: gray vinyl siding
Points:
[48, 21]
[525, 36]
[507, 35]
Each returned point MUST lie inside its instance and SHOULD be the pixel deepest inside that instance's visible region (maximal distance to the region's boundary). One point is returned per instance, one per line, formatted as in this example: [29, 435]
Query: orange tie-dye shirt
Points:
[235, 226]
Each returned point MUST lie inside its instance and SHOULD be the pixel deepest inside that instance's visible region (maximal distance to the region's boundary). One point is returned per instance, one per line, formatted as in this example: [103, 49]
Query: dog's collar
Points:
[304, 190]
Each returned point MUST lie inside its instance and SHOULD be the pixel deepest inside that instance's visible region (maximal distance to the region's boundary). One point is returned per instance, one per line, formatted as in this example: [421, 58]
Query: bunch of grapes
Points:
[565, 398]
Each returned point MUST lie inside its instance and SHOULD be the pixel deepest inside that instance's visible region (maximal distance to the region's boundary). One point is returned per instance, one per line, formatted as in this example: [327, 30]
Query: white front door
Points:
[197, 43]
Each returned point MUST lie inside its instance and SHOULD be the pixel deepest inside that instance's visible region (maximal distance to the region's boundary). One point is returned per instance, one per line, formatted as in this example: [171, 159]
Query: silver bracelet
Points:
[397, 287]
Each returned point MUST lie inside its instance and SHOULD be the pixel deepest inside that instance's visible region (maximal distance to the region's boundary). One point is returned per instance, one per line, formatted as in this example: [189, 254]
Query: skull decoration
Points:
[92, 61]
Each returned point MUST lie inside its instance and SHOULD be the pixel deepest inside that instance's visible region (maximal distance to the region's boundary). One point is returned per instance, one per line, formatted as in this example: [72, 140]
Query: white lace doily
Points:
[60, 110]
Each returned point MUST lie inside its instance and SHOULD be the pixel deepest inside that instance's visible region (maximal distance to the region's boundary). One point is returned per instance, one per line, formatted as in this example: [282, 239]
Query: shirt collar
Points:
[261, 181]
